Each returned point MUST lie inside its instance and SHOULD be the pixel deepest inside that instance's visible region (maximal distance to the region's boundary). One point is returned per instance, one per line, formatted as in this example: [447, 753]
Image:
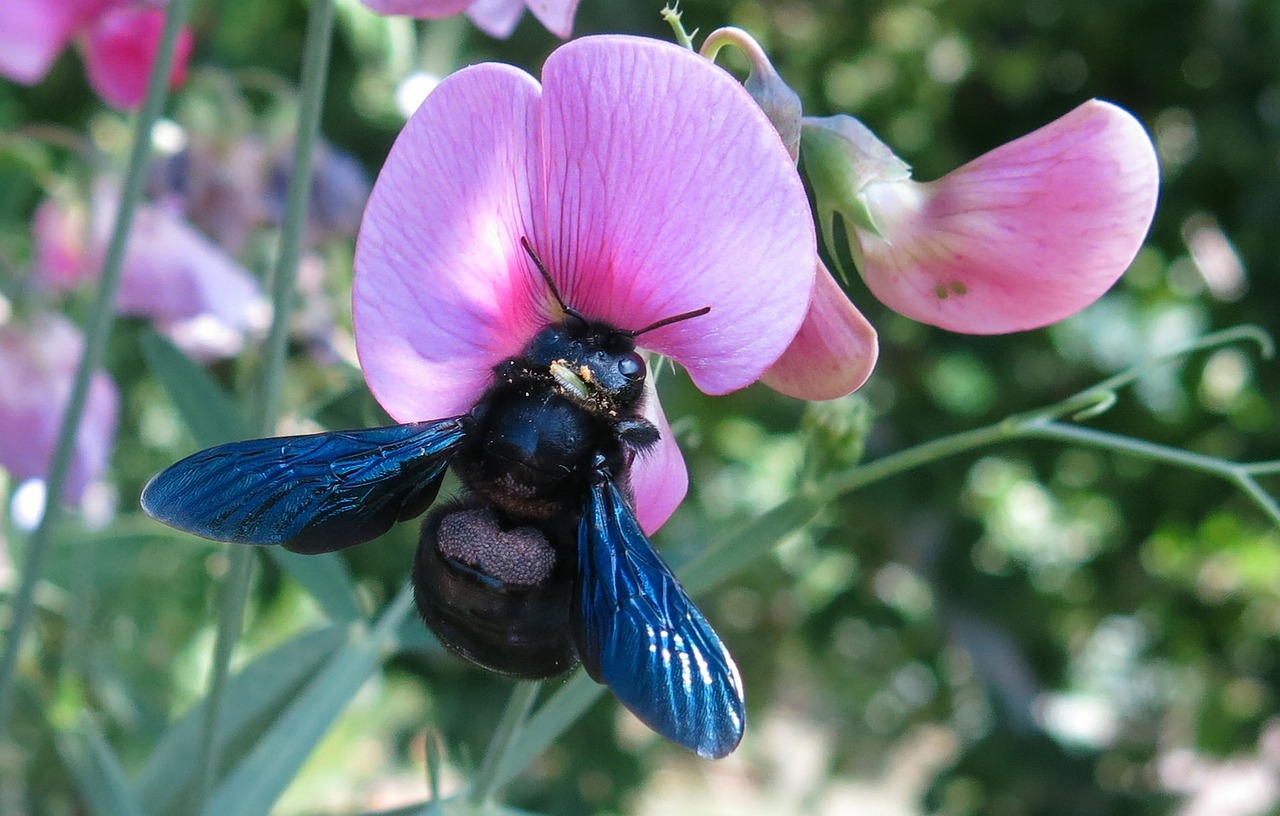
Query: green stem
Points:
[509, 727]
[1240, 474]
[235, 593]
[97, 332]
[315, 69]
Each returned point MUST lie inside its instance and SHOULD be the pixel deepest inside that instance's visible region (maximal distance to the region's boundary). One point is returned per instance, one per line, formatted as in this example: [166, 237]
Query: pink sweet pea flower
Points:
[1019, 238]
[192, 290]
[497, 18]
[648, 182]
[37, 366]
[119, 39]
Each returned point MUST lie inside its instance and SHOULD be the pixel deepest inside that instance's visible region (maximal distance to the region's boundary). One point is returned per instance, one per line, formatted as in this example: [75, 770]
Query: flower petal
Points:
[172, 272]
[37, 366]
[442, 291]
[659, 478]
[556, 15]
[424, 9]
[120, 49]
[834, 351]
[497, 18]
[1021, 237]
[58, 233]
[32, 34]
[666, 190]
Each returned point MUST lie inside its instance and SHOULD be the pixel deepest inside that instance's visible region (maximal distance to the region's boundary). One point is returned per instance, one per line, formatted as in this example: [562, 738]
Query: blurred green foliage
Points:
[1025, 630]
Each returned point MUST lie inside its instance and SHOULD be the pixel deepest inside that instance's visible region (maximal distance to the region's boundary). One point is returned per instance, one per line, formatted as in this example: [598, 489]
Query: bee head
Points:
[592, 362]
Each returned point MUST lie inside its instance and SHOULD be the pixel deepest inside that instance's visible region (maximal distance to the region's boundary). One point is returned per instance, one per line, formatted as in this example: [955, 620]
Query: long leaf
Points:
[214, 418]
[263, 772]
[96, 770]
[255, 694]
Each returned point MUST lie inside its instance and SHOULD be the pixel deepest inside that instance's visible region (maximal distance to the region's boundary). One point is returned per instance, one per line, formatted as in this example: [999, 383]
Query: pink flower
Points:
[497, 18]
[118, 38]
[37, 366]
[1018, 238]
[192, 290]
[648, 182]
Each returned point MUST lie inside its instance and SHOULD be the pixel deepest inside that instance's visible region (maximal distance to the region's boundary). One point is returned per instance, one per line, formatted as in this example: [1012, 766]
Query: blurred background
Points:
[1031, 629]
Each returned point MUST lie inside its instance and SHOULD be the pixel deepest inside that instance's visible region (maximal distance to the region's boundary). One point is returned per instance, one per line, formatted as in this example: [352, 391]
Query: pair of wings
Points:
[635, 629]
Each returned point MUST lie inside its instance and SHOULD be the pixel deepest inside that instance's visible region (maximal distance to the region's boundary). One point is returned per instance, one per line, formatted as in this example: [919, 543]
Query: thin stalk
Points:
[97, 332]
[235, 593]
[514, 716]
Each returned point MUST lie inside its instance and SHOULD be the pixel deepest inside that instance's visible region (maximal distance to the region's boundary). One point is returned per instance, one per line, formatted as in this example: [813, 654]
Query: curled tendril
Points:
[671, 14]
[1102, 402]
[1098, 398]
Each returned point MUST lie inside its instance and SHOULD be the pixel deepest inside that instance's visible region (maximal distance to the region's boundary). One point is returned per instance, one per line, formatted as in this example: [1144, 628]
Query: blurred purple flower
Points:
[497, 18]
[37, 366]
[339, 191]
[192, 290]
[118, 39]
[649, 183]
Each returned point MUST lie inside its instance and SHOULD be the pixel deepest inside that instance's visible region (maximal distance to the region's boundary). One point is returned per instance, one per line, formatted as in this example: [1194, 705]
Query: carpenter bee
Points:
[540, 565]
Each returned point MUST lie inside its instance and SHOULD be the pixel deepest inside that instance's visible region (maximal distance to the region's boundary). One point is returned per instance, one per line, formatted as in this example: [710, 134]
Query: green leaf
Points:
[551, 720]
[213, 419]
[267, 769]
[252, 698]
[96, 770]
[210, 414]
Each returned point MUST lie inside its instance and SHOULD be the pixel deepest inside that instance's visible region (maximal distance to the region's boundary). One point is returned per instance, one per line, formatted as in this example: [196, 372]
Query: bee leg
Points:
[636, 433]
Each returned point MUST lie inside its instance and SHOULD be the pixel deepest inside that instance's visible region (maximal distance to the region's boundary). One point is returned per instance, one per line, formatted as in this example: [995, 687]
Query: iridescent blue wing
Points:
[311, 494]
[638, 633]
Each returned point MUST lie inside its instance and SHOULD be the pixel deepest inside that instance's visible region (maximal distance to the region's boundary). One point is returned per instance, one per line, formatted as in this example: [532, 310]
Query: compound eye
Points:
[631, 366]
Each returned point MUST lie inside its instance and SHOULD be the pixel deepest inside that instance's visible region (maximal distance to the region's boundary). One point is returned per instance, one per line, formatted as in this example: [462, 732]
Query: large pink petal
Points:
[666, 190]
[1021, 237]
[442, 288]
[427, 9]
[120, 50]
[834, 352]
[32, 34]
[658, 476]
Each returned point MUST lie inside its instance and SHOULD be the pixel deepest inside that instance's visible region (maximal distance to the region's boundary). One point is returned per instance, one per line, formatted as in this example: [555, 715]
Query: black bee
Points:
[541, 565]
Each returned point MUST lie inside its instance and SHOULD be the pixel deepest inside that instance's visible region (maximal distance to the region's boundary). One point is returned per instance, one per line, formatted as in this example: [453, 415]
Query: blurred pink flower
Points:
[497, 18]
[1019, 238]
[37, 365]
[648, 182]
[118, 39]
[191, 289]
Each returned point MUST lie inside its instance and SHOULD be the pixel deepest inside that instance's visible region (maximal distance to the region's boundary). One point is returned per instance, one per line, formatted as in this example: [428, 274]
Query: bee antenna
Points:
[551, 284]
[667, 321]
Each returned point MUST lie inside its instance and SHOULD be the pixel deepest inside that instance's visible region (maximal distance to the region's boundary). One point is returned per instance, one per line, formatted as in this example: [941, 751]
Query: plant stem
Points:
[97, 332]
[235, 591]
